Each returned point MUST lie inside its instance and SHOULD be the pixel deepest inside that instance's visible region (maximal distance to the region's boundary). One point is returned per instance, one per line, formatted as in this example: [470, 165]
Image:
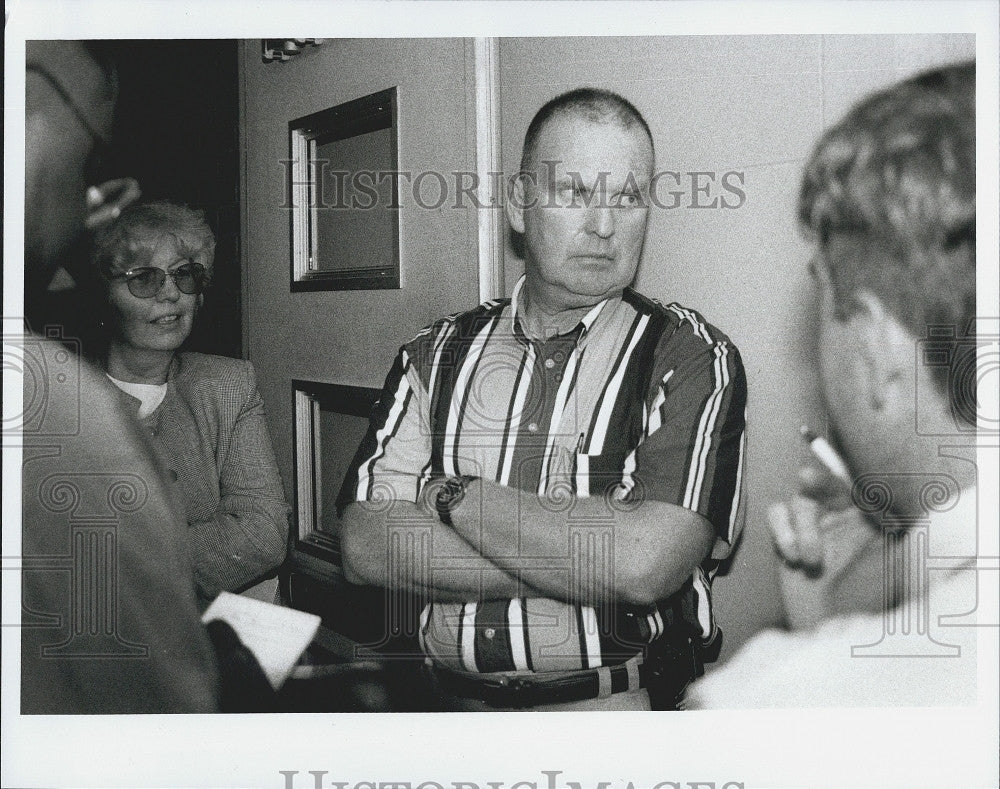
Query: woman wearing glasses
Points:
[204, 412]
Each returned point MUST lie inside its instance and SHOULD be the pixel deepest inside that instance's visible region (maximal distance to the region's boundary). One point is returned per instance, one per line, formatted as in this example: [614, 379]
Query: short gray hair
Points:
[593, 104]
[133, 238]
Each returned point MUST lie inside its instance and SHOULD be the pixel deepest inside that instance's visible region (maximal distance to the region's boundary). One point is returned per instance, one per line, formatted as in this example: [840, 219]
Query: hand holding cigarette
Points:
[818, 533]
[106, 201]
[799, 525]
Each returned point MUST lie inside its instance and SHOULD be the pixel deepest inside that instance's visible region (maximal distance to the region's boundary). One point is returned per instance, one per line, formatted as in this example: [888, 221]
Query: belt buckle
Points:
[516, 691]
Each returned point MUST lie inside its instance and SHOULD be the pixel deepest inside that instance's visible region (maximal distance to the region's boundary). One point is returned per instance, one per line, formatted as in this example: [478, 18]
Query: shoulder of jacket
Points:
[201, 367]
[458, 320]
[689, 322]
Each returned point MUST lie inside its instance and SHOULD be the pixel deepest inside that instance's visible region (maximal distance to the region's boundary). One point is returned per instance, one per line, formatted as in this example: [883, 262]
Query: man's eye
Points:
[627, 200]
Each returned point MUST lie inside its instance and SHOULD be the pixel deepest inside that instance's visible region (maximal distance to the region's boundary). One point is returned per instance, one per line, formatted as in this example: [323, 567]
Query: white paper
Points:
[277, 636]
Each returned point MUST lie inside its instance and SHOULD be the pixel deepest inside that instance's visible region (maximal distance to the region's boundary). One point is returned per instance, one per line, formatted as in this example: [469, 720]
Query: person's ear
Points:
[887, 351]
[514, 207]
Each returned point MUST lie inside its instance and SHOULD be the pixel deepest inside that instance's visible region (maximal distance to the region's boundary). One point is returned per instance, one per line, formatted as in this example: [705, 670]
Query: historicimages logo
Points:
[548, 779]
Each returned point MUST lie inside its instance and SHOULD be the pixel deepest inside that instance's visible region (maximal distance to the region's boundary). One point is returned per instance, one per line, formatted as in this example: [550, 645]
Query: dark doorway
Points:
[177, 132]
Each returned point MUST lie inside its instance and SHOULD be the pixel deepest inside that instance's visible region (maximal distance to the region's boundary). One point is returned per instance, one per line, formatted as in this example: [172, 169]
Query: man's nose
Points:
[601, 220]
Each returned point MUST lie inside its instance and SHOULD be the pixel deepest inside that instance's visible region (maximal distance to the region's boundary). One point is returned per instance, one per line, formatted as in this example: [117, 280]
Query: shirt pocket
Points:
[598, 475]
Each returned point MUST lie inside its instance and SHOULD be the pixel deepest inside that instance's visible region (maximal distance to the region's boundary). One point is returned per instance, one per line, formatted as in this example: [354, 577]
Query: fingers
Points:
[806, 515]
[106, 201]
[823, 487]
[795, 527]
[102, 216]
[779, 518]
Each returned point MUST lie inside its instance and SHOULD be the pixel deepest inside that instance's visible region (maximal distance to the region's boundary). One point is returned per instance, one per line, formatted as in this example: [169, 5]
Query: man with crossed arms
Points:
[574, 452]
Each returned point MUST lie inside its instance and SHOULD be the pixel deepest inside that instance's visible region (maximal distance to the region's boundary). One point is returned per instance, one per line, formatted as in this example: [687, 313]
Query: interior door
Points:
[329, 350]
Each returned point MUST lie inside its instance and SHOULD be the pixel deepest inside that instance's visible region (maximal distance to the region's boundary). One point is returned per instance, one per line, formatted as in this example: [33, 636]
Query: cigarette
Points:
[826, 454]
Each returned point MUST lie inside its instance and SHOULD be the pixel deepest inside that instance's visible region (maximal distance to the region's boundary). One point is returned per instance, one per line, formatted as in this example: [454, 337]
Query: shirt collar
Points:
[581, 328]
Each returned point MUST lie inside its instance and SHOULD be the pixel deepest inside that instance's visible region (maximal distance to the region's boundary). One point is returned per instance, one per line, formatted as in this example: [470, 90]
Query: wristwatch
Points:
[450, 495]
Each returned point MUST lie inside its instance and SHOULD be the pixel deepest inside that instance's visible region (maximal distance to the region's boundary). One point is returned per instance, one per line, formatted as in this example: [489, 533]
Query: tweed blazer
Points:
[211, 433]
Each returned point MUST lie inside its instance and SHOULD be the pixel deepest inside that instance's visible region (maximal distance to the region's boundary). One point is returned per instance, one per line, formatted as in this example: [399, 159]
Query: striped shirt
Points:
[639, 401]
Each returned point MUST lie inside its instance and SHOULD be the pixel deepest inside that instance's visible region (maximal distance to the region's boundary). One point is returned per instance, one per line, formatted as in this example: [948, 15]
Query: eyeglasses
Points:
[145, 282]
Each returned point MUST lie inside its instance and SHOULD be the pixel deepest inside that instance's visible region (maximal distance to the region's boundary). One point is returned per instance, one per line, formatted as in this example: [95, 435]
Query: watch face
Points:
[451, 493]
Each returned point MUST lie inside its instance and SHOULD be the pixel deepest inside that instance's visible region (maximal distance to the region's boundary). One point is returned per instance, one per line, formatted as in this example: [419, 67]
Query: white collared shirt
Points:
[870, 660]
[149, 395]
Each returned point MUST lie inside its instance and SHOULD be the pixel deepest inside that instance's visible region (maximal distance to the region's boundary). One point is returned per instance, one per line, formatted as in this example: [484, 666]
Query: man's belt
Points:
[532, 690]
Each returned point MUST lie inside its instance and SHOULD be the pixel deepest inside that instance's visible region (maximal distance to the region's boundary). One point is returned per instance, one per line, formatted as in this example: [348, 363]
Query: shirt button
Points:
[489, 633]
[533, 428]
[550, 363]
[173, 475]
